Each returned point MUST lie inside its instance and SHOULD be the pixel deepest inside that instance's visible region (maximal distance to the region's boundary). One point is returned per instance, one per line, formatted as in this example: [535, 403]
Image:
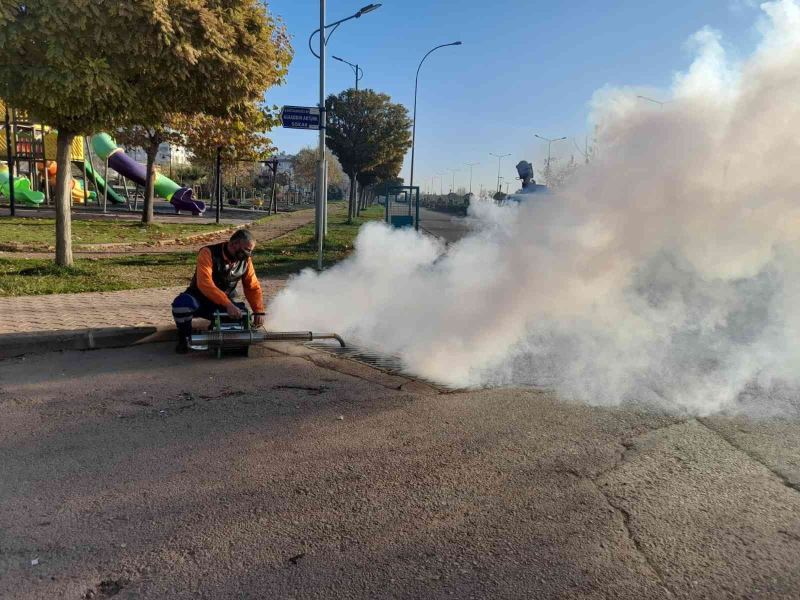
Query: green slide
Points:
[98, 180]
[179, 197]
[22, 189]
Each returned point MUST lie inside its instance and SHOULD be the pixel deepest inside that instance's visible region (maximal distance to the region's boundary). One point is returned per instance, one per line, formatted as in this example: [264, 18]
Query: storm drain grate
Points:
[390, 363]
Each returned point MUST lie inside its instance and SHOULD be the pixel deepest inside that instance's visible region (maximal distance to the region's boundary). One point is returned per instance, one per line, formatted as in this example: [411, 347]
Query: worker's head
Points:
[241, 244]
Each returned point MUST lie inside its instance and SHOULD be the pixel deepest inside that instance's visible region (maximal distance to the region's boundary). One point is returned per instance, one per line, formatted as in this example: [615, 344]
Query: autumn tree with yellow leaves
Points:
[82, 67]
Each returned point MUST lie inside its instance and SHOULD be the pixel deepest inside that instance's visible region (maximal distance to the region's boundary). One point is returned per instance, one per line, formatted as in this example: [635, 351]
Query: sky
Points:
[524, 67]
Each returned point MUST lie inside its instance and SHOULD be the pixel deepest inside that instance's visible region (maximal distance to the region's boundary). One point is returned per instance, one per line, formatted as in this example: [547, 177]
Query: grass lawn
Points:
[281, 256]
[42, 232]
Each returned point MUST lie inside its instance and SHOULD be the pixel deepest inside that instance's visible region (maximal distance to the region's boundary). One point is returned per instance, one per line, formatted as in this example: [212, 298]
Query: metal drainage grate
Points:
[390, 363]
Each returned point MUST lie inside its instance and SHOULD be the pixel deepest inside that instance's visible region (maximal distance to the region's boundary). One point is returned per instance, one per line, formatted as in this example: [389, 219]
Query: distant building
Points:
[168, 154]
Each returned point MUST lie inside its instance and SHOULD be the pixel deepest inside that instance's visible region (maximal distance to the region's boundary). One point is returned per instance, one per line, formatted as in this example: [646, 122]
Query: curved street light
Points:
[416, 85]
[549, 141]
[453, 184]
[470, 165]
[659, 102]
[358, 70]
[364, 10]
[499, 158]
[322, 184]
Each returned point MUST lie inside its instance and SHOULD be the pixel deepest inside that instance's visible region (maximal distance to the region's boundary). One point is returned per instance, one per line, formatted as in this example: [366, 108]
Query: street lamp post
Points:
[414, 122]
[358, 70]
[470, 165]
[659, 102]
[322, 167]
[549, 142]
[453, 184]
[499, 158]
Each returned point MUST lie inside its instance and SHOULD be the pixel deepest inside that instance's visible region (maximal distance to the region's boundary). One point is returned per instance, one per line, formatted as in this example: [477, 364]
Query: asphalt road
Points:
[136, 473]
[447, 226]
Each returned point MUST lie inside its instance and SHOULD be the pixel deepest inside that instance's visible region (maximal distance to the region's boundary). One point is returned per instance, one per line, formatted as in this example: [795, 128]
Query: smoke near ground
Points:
[667, 272]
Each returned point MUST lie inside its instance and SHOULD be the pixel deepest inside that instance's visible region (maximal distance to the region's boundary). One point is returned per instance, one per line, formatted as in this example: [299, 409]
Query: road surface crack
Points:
[626, 524]
[625, 446]
[751, 455]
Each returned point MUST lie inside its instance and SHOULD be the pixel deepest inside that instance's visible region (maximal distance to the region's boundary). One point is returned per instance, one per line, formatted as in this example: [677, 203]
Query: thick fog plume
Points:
[667, 271]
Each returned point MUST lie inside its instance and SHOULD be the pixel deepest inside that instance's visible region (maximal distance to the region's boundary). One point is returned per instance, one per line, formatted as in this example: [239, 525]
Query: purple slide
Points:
[179, 197]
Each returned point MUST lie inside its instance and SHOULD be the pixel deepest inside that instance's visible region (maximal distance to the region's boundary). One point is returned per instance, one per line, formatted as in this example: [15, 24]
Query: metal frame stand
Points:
[411, 194]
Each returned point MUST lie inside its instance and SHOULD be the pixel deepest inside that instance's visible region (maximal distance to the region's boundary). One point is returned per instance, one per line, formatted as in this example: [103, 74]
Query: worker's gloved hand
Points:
[234, 312]
[258, 319]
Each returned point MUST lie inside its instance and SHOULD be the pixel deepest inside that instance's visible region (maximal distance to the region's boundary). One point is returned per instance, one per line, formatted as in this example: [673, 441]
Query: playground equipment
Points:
[235, 336]
[180, 197]
[76, 185]
[100, 183]
[22, 188]
[33, 150]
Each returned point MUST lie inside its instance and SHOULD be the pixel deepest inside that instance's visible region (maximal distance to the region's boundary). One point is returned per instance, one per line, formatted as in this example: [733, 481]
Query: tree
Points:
[221, 58]
[59, 79]
[364, 130]
[305, 167]
[385, 172]
[190, 174]
[149, 139]
[239, 137]
[556, 176]
[86, 66]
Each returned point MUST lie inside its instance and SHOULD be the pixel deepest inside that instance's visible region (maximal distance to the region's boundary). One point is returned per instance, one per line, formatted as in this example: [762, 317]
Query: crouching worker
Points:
[219, 269]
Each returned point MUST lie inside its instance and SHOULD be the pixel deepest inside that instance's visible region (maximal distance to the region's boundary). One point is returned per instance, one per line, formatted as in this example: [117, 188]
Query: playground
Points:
[106, 180]
[114, 249]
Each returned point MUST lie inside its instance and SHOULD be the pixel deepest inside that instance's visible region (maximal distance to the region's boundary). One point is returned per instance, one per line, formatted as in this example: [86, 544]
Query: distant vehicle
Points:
[529, 186]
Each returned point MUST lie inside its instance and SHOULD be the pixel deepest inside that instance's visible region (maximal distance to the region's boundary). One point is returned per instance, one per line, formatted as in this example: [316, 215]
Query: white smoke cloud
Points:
[667, 272]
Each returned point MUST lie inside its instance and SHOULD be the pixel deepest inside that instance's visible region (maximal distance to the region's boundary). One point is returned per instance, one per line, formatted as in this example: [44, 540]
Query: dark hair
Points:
[242, 235]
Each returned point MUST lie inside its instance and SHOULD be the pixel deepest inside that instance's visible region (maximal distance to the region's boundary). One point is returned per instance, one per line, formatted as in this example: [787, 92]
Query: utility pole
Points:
[453, 184]
[414, 119]
[549, 142]
[470, 165]
[499, 158]
[322, 184]
[322, 167]
[358, 70]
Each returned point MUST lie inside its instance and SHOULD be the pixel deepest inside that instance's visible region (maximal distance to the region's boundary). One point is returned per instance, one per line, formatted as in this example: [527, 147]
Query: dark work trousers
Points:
[186, 307]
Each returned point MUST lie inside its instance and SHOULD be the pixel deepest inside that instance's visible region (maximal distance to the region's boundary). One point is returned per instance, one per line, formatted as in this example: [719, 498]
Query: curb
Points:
[18, 344]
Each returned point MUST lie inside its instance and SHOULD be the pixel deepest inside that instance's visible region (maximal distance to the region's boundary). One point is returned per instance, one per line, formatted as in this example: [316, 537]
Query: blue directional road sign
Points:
[300, 117]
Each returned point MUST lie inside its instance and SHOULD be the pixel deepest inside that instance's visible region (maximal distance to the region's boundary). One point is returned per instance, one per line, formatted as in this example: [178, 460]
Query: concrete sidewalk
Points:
[112, 319]
[92, 320]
